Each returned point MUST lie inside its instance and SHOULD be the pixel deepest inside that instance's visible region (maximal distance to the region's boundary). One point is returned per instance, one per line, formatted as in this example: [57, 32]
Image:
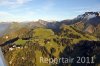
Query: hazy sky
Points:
[28, 10]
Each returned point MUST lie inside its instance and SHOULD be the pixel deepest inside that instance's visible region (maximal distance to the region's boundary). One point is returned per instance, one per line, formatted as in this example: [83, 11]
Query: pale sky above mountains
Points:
[29, 10]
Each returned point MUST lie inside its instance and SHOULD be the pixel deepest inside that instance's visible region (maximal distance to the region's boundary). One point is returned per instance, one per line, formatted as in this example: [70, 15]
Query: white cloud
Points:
[30, 13]
[4, 14]
[9, 17]
[22, 1]
[13, 3]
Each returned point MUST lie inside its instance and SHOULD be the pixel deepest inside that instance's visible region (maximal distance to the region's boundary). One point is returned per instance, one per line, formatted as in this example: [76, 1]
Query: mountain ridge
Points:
[87, 22]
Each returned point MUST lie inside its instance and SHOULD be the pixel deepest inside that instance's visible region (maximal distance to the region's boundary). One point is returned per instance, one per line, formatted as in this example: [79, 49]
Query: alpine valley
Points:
[23, 43]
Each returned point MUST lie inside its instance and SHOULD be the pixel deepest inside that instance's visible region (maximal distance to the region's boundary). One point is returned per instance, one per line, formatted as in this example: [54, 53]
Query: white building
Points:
[10, 49]
[7, 37]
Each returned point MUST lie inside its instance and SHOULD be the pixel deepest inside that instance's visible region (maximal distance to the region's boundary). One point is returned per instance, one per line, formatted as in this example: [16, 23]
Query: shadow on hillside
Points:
[10, 41]
[90, 49]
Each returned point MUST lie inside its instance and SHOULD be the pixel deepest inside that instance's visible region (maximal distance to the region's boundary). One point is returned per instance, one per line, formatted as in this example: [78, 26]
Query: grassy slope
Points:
[39, 35]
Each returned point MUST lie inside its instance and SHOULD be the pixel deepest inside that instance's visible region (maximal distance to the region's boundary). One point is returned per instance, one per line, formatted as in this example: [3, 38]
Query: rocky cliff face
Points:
[89, 20]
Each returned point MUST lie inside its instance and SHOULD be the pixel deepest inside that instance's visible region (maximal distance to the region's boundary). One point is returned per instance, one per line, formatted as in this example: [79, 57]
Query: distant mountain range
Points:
[87, 22]
[3, 27]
